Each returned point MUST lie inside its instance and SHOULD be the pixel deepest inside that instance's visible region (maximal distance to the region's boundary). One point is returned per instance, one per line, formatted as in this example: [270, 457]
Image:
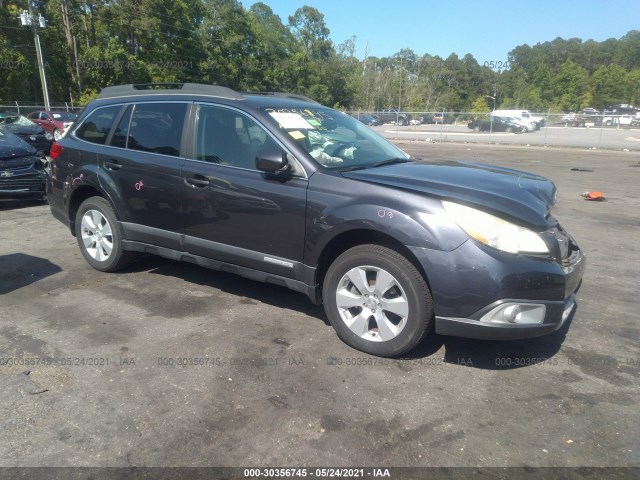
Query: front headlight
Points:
[495, 232]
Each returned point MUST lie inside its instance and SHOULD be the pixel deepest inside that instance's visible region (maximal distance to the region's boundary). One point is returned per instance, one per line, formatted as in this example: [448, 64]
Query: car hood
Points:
[525, 197]
[24, 129]
[12, 146]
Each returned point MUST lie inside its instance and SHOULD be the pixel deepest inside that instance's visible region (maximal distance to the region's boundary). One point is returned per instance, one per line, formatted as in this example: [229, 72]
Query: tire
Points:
[100, 236]
[57, 134]
[402, 121]
[509, 130]
[476, 128]
[524, 129]
[360, 318]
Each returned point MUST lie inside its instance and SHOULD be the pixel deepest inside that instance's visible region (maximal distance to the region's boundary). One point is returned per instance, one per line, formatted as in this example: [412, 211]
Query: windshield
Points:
[64, 116]
[17, 120]
[334, 139]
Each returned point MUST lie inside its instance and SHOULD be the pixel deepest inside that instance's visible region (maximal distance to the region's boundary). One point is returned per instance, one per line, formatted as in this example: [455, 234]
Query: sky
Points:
[487, 30]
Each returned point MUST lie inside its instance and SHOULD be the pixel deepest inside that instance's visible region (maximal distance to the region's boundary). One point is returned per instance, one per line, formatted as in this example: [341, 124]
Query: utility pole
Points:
[28, 20]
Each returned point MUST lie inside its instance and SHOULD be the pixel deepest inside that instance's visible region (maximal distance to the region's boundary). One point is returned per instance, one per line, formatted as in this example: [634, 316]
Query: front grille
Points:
[24, 178]
[21, 182]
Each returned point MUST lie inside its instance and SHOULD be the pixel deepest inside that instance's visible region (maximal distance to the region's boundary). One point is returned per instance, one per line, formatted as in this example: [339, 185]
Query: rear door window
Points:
[156, 128]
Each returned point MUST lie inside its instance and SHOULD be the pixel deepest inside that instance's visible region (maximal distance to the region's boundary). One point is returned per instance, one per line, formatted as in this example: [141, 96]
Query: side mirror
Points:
[272, 160]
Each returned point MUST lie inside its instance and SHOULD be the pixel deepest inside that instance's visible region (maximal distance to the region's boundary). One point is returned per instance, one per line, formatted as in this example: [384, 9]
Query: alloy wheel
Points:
[97, 237]
[372, 303]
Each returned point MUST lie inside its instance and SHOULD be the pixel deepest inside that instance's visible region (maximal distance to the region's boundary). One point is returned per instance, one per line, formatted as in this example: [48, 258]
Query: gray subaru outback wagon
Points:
[280, 189]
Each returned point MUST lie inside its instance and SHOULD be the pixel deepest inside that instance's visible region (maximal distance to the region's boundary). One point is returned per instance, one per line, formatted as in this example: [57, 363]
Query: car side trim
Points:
[299, 286]
[186, 245]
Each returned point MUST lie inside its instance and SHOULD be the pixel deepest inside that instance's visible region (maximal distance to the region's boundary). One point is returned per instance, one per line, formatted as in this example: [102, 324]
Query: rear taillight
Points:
[56, 150]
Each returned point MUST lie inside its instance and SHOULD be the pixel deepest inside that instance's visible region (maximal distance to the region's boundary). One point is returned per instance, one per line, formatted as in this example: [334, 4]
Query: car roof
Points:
[256, 99]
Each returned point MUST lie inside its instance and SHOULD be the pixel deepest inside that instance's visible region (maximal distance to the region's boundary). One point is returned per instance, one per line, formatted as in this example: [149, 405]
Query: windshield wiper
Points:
[352, 168]
[382, 163]
[391, 161]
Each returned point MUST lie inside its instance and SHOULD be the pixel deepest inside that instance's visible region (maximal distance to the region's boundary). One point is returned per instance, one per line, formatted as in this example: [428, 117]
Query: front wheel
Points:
[377, 301]
[100, 236]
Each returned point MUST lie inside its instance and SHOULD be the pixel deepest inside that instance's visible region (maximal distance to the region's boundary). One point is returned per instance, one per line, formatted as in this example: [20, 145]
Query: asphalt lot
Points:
[622, 138]
[169, 364]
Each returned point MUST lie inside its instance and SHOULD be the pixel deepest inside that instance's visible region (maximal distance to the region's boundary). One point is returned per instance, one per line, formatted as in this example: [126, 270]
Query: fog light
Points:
[515, 313]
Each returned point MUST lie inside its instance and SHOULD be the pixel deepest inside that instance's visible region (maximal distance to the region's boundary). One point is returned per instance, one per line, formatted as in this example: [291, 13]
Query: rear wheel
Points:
[401, 121]
[377, 301]
[509, 130]
[100, 237]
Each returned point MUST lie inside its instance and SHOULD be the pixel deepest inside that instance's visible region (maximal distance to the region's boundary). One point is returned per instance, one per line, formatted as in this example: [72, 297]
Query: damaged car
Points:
[278, 188]
[23, 174]
[28, 131]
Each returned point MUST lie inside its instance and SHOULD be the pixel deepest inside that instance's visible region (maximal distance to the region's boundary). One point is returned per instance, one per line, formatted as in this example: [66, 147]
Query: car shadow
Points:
[269, 294]
[495, 355]
[483, 354]
[18, 270]
[18, 204]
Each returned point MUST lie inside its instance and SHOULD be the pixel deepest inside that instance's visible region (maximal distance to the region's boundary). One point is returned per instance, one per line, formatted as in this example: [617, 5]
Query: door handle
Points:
[197, 181]
[112, 165]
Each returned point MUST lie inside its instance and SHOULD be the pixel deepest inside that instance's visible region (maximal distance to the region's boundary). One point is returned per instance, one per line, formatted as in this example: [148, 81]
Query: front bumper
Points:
[23, 186]
[556, 315]
[470, 282]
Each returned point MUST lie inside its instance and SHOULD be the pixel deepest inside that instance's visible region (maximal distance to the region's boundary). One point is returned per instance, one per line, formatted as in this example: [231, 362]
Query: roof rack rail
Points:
[159, 88]
[282, 95]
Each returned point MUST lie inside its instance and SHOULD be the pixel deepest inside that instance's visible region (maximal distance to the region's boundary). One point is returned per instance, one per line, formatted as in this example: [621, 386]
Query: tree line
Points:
[88, 45]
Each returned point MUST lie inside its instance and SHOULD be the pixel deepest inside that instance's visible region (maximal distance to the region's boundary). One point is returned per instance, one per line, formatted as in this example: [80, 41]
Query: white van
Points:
[524, 115]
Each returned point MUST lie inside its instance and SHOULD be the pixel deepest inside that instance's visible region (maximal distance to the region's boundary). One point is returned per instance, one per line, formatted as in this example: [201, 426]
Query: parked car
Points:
[496, 124]
[586, 116]
[392, 115]
[22, 169]
[621, 114]
[281, 189]
[436, 118]
[371, 120]
[27, 130]
[530, 120]
[53, 122]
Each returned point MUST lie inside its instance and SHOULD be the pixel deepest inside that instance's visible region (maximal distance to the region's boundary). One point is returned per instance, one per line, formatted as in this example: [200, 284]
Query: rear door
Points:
[141, 165]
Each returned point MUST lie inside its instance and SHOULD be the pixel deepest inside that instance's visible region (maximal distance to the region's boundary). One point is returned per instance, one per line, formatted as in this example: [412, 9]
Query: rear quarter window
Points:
[95, 128]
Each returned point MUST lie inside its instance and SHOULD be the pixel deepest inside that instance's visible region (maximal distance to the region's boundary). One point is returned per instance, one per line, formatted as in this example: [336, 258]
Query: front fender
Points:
[409, 218]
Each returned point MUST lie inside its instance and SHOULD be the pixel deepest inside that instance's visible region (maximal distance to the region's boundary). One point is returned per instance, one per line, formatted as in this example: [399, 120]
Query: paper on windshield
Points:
[297, 135]
[291, 120]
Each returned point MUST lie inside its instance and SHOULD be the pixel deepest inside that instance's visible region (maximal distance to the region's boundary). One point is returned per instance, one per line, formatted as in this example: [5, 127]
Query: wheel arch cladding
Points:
[353, 238]
[78, 196]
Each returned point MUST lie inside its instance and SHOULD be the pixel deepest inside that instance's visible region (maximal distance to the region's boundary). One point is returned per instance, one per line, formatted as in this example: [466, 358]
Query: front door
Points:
[232, 211]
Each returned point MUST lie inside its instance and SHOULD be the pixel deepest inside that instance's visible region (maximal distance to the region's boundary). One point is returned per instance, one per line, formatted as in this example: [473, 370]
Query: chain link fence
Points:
[606, 130]
[25, 108]
[593, 130]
